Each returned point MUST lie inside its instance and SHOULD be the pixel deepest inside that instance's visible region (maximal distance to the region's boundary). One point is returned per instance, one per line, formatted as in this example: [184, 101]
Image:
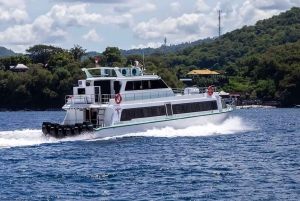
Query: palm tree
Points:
[77, 51]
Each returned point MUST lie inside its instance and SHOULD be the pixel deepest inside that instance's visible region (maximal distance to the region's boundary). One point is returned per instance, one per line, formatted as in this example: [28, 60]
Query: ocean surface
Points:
[253, 155]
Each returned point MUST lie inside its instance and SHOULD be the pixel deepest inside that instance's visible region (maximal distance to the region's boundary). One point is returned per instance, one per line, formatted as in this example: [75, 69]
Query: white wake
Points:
[233, 125]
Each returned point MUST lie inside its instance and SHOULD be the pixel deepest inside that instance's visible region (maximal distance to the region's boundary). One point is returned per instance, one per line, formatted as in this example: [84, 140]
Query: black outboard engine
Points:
[88, 126]
[45, 128]
[79, 127]
[54, 130]
[61, 131]
[68, 130]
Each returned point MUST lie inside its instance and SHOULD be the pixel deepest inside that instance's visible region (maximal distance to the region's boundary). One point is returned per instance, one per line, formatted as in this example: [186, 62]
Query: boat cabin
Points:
[102, 84]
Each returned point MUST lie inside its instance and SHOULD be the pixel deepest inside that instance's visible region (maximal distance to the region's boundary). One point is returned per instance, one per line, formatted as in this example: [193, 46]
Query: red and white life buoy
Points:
[118, 98]
[210, 90]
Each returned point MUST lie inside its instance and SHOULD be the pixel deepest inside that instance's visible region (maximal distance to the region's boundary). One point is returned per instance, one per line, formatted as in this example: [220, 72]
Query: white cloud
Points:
[13, 3]
[273, 4]
[13, 11]
[95, 1]
[175, 6]
[201, 6]
[17, 35]
[148, 7]
[122, 21]
[75, 15]
[122, 6]
[92, 36]
[52, 26]
[187, 27]
[247, 14]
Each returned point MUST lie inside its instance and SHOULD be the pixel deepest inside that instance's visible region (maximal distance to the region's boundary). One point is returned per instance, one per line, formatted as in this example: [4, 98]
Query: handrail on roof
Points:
[116, 72]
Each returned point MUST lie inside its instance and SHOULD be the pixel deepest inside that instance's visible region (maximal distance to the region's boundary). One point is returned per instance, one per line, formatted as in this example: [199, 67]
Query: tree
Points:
[265, 89]
[14, 60]
[113, 54]
[77, 52]
[42, 53]
[60, 59]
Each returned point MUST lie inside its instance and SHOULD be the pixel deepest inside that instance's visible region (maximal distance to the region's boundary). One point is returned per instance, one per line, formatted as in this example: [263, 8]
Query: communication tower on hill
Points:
[220, 32]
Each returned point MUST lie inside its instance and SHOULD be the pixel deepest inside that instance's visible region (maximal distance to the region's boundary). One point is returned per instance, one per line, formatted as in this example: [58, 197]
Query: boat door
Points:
[87, 115]
[169, 111]
[97, 94]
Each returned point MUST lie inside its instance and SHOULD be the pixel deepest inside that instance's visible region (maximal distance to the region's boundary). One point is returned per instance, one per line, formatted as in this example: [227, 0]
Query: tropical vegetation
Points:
[263, 60]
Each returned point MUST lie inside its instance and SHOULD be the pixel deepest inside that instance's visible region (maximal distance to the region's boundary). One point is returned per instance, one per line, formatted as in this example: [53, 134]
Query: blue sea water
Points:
[253, 155]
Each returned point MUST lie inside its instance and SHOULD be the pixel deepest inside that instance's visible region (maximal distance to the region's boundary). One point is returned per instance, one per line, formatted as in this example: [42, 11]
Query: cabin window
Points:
[124, 72]
[145, 84]
[157, 84]
[136, 113]
[138, 85]
[117, 87]
[81, 91]
[194, 107]
[113, 73]
[129, 86]
[104, 85]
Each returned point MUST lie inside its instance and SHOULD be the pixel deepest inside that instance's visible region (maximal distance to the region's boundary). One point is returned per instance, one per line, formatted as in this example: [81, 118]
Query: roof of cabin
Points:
[19, 66]
[203, 72]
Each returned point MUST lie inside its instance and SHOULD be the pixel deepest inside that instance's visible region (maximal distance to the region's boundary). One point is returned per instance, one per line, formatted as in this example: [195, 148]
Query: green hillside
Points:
[148, 51]
[238, 44]
[164, 49]
[4, 52]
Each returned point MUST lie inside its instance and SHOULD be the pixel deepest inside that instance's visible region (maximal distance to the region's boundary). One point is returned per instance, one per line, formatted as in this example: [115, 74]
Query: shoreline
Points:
[255, 106]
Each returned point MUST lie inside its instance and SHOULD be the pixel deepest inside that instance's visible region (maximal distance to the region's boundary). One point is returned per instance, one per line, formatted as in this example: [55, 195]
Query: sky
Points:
[127, 24]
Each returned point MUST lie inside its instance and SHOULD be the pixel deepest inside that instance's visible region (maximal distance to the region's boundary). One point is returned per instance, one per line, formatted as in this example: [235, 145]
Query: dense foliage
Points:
[263, 60]
[53, 71]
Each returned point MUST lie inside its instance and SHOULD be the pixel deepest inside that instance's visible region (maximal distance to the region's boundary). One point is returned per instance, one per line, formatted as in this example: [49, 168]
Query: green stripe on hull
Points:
[157, 121]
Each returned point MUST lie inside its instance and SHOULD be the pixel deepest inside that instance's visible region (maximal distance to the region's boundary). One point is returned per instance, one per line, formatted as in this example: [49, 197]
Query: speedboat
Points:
[113, 101]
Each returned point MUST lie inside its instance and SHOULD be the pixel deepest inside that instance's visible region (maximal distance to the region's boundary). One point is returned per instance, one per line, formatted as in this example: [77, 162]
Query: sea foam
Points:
[27, 137]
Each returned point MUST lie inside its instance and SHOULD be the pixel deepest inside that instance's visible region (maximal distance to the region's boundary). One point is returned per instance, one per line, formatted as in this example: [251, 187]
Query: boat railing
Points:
[149, 74]
[82, 99]
[147, 95]
[138, 96]
[192, 90]
[230, 102]
[178, 90]
[105, 98]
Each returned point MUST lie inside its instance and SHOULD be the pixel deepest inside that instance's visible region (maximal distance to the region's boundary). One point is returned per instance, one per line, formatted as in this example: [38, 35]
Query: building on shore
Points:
[203, 78]
[19, 68]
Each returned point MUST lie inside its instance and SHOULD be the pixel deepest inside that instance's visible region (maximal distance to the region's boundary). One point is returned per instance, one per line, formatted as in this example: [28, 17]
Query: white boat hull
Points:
[174, 122]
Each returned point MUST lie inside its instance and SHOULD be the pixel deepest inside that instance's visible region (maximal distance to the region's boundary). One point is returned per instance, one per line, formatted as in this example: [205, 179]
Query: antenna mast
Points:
[144, 65]
[219, 22]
